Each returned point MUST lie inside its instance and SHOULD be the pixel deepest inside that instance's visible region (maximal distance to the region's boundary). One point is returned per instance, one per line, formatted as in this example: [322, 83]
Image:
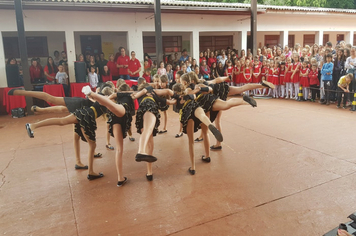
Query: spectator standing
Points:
[205, 70]
[184, 56]
[123, 64]
[327, 73]
[62, 78]
[92, 64]
[134, 67]
[339, 64]
[223, 58]
[101, 63]
[64, 61]
[211, 59]
[114, 71]
[350, 66]
[35, 71]
[93, 78]
[106, 76]
[169, 73]
[56, 58]
[50, 70]
[201, 57]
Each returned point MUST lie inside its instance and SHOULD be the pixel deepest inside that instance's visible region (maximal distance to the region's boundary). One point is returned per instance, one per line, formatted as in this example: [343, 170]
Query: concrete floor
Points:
[286, 168]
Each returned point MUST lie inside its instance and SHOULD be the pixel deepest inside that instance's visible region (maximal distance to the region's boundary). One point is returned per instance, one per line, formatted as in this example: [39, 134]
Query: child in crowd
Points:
[304, 80]
[281, 79]
[327, 73]
[161, 70]
[275, 79]
[106, 76]
[228, 70]
[287, 78]
[265, 73]
[247, 74]
[314, 81]
[295, 74]
[62, 78]
[256, 76]
[147, 75]
[343, 88]
[93, 78]
[236, 73]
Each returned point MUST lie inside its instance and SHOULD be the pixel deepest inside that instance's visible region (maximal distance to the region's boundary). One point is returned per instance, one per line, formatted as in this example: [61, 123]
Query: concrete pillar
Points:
[319, 37]
[283, 38]
[70, 44]
[3, 81]
[350, 37]
[194, 45]
[135, 43]
[243, 41]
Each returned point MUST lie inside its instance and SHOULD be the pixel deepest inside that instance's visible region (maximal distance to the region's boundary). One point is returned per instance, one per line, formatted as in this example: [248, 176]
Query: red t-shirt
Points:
[54, 72]
[313, 77]
[211, 60]
[106, 78]
[114, 71]
[201, 59]
[35, 72]
[134, 65]
[147, 78]
[123, 61]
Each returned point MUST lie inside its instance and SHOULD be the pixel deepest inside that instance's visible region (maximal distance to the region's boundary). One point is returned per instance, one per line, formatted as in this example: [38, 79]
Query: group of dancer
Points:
[198, 102]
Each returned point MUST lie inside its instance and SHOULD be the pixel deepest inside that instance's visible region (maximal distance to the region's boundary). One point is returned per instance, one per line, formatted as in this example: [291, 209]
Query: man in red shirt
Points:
[134, 67]
[123, 64]
[36, 73]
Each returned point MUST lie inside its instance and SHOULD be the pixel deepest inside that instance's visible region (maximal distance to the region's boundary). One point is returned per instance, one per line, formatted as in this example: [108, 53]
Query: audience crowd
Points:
[323, 72]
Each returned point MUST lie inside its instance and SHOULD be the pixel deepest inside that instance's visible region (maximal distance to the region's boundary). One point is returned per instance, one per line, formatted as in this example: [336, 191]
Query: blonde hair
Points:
[120, 82]
[142, 86]
[164, 78]
[107, 91]
[155, 77]
[111, 84]
[193, 77]
[185, 77]
[350, 76]
[178, 88]
[124, 87]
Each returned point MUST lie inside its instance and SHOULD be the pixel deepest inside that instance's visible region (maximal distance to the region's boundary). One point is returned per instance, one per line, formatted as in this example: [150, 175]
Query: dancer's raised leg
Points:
[200, 114]
[45, 110]
[41, 95]
[70, 119]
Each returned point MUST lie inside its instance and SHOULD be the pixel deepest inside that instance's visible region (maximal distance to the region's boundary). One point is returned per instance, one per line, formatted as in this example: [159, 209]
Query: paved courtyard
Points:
[286, 168]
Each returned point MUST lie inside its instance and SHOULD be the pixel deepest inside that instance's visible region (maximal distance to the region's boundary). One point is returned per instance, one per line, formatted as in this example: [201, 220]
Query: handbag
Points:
[18, 112]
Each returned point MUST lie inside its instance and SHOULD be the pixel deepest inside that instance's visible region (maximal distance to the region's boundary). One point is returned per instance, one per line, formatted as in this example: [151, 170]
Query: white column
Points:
[194, 45]
[135, 43]
[283, 40]
[350, 37]
[71, 57]
[319, 37]
[3, 81]
[243, 40]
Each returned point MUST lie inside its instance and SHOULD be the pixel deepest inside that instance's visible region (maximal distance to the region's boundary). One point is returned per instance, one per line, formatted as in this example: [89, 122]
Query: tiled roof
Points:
[212, 5]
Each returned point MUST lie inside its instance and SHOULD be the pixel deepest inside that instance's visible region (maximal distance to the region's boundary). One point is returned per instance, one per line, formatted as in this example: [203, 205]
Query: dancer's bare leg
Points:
[165, 117]
[149, 121]
[200, 114]
[45, 110]
[41, 95]
[70, 119]
[77, 150]
[218, 126]
[220, 105]
[204, 130]
[117, 130]
[115, 108]
[150, 152]
[92, 146]
[108, 135]
[190, 133]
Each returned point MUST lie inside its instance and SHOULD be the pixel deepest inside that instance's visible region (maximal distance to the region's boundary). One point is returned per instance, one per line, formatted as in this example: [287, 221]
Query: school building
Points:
[77, 26]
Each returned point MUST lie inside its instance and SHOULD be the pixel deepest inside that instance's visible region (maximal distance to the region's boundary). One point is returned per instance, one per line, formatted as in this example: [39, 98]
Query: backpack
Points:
[18, 113]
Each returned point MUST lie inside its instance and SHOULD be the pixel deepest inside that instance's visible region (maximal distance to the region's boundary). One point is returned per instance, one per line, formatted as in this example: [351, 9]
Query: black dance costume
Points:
[147, 104]
[221, 90]
[74, 103]
[126, 101]
[86, 117]
[187, 106]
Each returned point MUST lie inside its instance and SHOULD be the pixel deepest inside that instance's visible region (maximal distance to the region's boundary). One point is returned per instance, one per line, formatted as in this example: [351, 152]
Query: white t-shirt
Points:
[93, 79]
[61, 77]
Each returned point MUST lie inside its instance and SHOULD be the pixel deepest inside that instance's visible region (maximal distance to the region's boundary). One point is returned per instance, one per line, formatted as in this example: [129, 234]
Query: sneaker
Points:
[337, 106]
[312, 100]
[344, 107]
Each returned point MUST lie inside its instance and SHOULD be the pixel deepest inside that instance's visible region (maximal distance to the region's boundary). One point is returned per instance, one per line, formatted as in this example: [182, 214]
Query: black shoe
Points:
[80, 167]
[120, 183]
[149, 177]
[268, 84]
[132, 139]
[11, 92]
[216, 133]
[92, 177]
[198, 140]
[192, 172]
[29, 131]
[162, 131]
[206, 159]
[250, 101]
[215, 148]
[179, 135]
[337, 106]
[98, 155]
[144, 157]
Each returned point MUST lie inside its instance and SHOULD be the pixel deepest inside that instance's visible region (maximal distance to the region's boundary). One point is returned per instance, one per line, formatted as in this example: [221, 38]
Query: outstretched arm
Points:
[164, 92]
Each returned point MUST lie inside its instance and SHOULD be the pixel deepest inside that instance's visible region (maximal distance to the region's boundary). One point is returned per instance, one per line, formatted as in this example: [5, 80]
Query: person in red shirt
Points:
[211, 59]
[35, 71]
[123, 64]
[50, 70]
[314, 81]
[114, 71]
[201, 58]
[106, 76]
[147, 75]
[134, 67]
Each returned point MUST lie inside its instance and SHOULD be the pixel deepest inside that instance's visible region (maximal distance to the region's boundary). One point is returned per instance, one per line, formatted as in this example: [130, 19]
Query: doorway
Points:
[90, 44]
